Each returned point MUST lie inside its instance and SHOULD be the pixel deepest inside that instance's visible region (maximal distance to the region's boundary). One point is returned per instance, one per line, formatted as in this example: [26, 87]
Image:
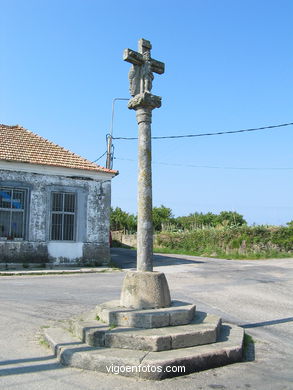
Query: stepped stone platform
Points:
[150, 343]
[179, 313]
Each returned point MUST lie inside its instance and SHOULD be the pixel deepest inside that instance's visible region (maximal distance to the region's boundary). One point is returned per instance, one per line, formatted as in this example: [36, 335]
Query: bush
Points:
[241, 241]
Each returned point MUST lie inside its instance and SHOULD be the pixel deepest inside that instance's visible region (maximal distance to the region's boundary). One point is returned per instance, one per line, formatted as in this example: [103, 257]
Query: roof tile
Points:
[20, 144]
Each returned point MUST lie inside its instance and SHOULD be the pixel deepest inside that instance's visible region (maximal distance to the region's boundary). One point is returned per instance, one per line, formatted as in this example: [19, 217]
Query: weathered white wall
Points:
[93, 218]
[69, 250]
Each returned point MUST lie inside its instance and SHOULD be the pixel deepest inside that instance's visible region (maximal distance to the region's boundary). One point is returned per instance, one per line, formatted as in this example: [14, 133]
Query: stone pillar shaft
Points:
[143, 104]
[144, 212]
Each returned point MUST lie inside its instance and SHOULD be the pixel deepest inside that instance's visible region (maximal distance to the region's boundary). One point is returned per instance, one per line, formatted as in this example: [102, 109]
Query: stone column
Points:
[143, 104]
[144, 288]
[144, 201]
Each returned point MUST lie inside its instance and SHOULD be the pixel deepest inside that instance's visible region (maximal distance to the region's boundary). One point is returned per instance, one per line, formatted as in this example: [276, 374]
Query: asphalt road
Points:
[256, 294]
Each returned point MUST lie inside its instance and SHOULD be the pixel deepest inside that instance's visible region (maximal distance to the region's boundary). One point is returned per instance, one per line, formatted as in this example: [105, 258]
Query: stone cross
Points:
[141, 72]
[143, 289]
[143, 102]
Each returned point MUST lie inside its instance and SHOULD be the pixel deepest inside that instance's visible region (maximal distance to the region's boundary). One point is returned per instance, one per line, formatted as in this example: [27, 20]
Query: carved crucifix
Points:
[144, 102]
[137, 285]
[141, 73]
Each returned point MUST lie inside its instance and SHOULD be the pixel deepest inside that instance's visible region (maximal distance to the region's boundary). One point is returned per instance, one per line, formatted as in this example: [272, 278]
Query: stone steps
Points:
[179, 313]
[148, 365]
[203, 329]
[113, 339]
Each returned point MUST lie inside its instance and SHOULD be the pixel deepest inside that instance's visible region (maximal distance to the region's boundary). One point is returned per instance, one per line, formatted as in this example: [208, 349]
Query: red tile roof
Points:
[20, 144]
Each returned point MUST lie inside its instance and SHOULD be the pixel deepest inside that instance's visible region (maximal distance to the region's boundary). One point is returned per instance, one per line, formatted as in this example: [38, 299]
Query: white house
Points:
[54, 204]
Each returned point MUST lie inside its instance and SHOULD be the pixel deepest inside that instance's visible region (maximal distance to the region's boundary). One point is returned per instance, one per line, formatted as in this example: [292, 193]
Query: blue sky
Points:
[229, 66]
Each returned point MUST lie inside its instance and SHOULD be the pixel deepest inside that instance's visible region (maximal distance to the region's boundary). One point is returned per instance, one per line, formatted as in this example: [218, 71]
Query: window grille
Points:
[12, 213]
[63, 210]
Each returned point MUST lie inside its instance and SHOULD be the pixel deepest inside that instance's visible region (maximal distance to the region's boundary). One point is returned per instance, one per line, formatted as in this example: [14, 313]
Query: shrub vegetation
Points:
[231, 242]
[217, 235]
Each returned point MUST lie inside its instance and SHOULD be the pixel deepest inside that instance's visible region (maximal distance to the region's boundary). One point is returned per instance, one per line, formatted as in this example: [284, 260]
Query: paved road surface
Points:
[255, 294]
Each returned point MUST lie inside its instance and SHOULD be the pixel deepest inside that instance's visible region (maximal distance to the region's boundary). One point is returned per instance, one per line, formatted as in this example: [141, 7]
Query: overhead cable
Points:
[210, 134]
[211, 167]
[99, 158]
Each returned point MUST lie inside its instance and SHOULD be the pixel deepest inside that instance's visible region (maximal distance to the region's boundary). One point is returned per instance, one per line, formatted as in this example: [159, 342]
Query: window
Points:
[63, 211]
[12, 212]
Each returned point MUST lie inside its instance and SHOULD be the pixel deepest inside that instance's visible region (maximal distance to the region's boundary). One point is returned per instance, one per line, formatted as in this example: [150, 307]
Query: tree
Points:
[121, 220]
[131, 223]
[161, 215]
[118, 219]
[230, 218]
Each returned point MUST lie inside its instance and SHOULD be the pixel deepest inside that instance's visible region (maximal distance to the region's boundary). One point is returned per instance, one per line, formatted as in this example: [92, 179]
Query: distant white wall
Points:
[92, 220]
[69, 250]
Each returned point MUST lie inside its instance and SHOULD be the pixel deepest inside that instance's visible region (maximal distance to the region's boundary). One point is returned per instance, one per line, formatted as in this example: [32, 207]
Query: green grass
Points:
[114, 266]
[247, 340]
[244, 242]
[176, 251]
[222, 255]
[228, 242]
[248, 348]
[44, 342]
[112, 326]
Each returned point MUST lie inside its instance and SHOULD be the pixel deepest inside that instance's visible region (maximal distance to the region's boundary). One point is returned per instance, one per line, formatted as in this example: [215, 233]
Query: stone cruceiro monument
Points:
[143, 102]
[145, 334]
[144, 288]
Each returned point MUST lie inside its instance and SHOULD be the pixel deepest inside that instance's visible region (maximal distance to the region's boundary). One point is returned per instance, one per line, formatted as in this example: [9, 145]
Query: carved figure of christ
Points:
[143, 66]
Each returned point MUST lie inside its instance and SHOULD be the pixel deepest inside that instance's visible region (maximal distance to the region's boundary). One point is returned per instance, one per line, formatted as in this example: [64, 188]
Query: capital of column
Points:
[144, 103]
[145, 100]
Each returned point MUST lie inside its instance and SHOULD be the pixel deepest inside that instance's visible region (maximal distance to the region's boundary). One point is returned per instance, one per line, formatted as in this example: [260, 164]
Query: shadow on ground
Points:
[266, 323]
[126, 258]
[25, 366]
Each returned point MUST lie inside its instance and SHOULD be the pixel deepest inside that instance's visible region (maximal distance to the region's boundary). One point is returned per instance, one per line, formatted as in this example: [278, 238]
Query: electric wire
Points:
[203, 135]
[211, 167]
[210, 134]
[99, 158]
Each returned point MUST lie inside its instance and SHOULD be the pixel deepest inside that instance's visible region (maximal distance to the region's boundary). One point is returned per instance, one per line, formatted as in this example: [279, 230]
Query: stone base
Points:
[23, 252]
[179, 313]
[203, 329]
[145, 290]
[152, 353]
[71, 351]
[54, 252]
